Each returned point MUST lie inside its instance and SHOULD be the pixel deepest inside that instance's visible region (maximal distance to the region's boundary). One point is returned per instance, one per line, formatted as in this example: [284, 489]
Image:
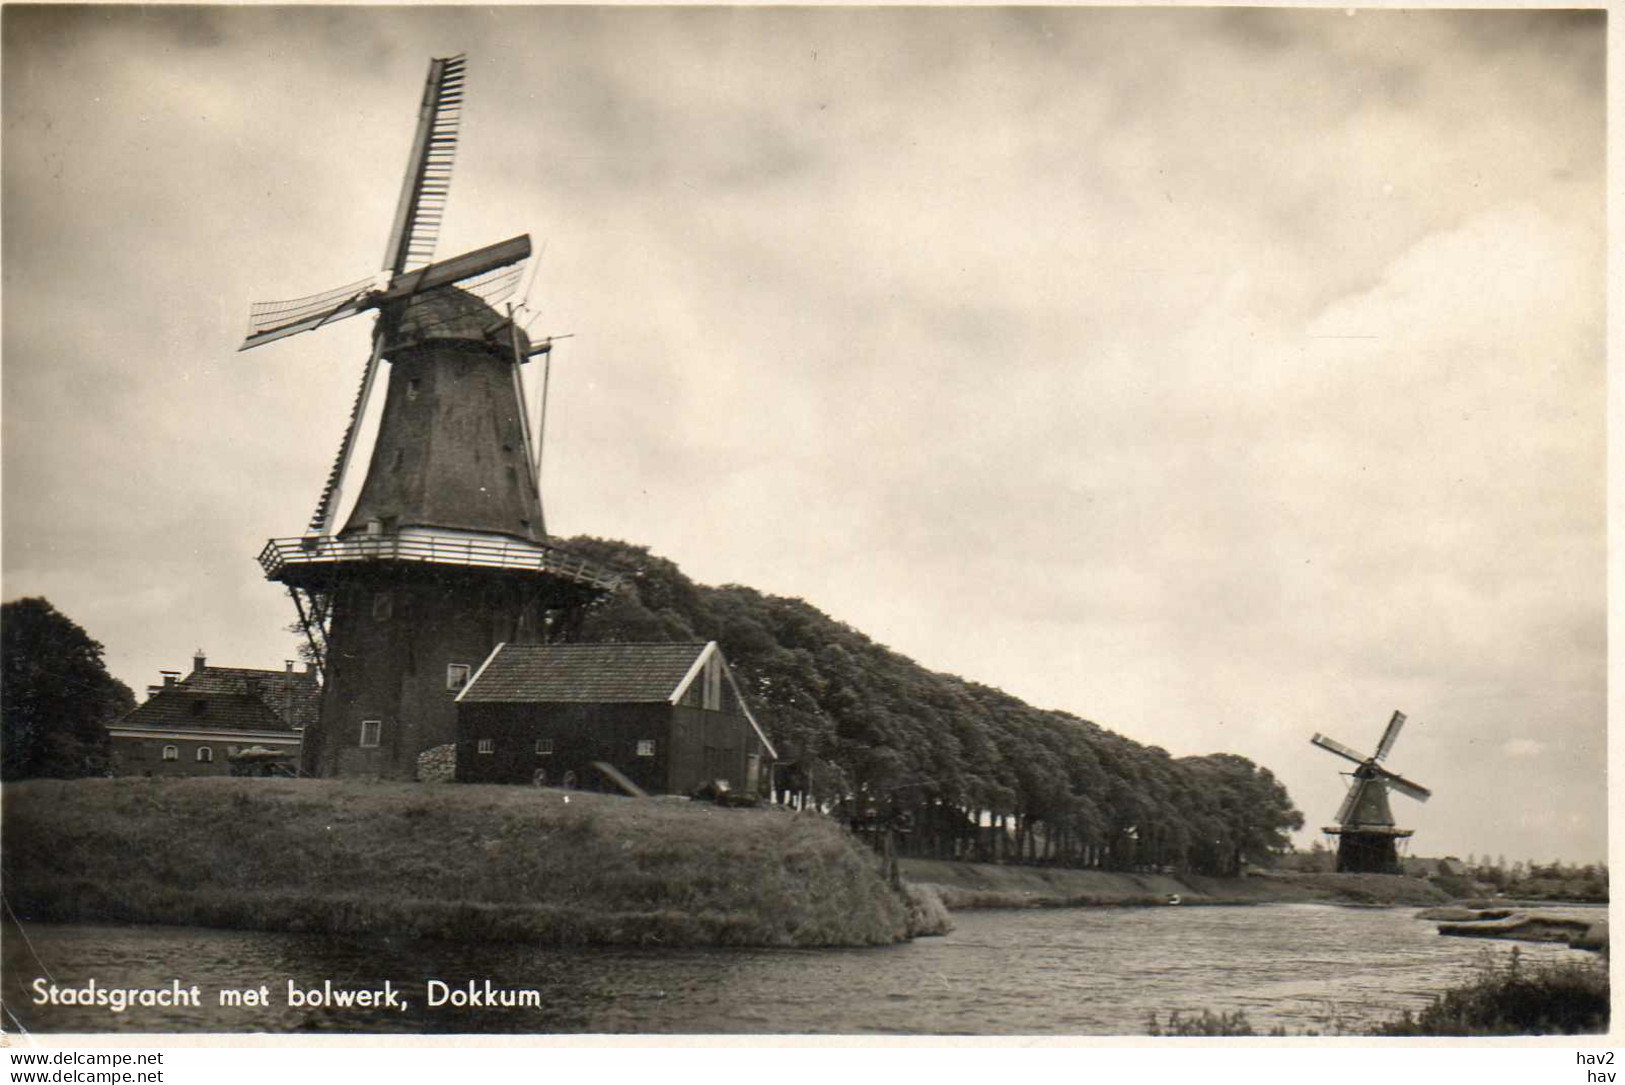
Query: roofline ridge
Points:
[693, 670]
[501, 644]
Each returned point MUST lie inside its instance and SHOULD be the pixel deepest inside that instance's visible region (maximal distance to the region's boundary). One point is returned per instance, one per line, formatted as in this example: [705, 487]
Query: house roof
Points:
[178, 707]
[582, 673]
[296, 696]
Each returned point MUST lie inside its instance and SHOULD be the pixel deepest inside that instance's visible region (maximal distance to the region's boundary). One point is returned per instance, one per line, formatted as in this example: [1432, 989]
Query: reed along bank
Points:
[457, 862]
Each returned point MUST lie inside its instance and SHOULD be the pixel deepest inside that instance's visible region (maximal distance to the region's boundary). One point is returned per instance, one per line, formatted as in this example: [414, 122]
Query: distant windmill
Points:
[445, 552]
[1367, 836]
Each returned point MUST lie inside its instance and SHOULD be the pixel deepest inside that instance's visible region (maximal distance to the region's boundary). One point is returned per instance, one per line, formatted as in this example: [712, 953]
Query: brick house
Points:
[193, 725]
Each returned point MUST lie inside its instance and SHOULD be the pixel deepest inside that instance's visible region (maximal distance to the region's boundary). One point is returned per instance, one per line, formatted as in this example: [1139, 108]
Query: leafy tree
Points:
[57, 696]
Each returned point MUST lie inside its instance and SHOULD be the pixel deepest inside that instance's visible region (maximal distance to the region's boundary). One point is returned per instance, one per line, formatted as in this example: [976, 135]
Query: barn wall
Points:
[581, 734]
[714, 745]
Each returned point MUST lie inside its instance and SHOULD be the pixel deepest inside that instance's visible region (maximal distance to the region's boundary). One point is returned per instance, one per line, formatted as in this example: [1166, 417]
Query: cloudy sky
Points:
[1222, 376]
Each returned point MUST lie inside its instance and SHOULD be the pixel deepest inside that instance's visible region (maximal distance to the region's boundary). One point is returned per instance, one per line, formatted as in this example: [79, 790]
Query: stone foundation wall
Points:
[438, 764]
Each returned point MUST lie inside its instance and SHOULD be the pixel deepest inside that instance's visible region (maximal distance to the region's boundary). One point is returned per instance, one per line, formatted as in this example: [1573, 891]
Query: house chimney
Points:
[198, 660]
[287, 665]
[170, 678]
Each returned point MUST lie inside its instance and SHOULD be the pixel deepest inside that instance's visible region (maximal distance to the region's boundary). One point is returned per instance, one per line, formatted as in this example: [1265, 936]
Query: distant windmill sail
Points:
[1390, 735]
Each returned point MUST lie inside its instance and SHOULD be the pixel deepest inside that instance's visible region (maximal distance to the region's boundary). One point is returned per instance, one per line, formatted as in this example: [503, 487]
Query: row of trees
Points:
[969, 771]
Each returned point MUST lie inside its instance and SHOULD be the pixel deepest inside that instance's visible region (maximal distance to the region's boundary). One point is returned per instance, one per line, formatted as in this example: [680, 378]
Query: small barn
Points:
[667, 718]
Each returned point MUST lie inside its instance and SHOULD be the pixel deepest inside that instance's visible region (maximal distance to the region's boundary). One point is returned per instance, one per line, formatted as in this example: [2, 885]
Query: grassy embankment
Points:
[456, 862]
[978, 885]
[1561, 998]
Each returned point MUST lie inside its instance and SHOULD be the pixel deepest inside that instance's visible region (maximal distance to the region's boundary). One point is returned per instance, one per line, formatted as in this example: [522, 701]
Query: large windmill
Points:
[444, 553]
[1367, 836]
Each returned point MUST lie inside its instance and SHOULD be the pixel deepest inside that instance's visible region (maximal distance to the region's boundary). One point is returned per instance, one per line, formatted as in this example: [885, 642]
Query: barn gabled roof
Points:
[582, 673]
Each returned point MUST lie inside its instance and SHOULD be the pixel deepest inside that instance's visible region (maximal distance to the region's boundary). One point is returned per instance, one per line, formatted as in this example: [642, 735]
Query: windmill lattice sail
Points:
[422, 204]
[269, 321]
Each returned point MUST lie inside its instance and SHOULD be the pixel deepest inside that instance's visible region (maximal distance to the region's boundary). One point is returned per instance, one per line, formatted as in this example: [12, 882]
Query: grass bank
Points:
[1555, 999]
[458, 862]
[983, 885]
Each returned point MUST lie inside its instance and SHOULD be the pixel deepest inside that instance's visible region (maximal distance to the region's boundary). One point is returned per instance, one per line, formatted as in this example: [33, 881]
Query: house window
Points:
[383, 605]
[488, 745]
[646, 747]
[205, 754]
[172, 753]
[411, 390]
[457, 675]
[544, 746]
[370, 731]
[231, 751]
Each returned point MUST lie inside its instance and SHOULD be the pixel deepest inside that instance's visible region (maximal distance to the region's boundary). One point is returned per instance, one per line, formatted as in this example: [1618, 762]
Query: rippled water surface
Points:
[1067, 971]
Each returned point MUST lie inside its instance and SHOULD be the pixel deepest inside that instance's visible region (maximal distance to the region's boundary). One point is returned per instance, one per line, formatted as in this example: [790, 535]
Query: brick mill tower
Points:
[445, 553]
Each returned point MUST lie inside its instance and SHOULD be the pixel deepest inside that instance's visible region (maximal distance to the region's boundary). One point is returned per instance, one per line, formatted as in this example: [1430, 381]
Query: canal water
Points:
[1085, 972]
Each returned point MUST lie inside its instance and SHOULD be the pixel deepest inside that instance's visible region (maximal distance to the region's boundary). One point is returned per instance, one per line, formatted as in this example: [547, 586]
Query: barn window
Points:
[370, 732]
[544, 746]
[646, 747]
[488, 745]
[457, 675]
[231, 751]
[411, 390]
[383, 604]
[172, 753]
[205, 754]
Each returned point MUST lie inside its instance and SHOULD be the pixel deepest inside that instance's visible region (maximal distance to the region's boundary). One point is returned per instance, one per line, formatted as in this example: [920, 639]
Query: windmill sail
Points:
[269, 321]
[422, 203]
[1349, 801]
[327, 505]
[1338, 748]
[1404, 786]
[1390, 735]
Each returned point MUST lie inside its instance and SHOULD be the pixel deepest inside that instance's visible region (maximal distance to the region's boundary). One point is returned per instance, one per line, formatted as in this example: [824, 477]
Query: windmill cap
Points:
[448, 313]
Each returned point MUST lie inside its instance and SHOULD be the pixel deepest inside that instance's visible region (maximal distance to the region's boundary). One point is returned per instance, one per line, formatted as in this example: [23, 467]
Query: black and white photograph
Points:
[543, 523]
